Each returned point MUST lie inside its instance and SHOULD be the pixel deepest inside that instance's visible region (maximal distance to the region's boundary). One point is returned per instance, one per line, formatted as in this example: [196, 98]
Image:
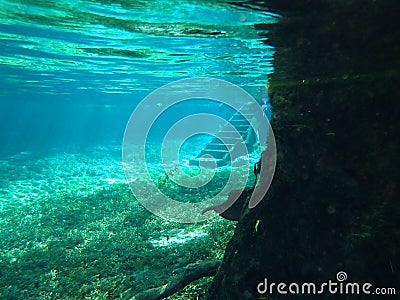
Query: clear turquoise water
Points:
[72, 71]
[71, 74]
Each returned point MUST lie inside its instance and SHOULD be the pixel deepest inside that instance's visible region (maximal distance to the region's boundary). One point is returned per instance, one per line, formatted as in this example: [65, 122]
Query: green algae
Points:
[333, 204]
[68, 233]
[118, 52]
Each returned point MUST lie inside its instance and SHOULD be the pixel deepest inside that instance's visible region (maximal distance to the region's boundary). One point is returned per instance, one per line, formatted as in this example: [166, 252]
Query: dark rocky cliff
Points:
[334, 203]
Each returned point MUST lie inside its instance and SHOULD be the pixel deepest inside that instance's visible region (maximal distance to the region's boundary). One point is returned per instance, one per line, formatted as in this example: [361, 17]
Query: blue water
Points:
[73, 71]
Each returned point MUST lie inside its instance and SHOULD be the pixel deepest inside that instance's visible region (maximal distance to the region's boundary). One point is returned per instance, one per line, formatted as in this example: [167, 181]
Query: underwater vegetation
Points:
[71, 228]
[72, 72]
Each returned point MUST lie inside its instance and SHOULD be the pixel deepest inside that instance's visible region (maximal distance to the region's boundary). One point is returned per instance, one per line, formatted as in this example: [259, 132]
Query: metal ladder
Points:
[221, 151]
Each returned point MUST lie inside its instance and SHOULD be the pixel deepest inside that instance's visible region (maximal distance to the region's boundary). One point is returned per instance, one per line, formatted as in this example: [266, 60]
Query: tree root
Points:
[190, 273]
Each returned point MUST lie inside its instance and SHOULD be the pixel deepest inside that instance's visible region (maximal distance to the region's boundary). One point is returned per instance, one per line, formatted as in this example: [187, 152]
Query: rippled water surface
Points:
[122, 47]
[72, 72]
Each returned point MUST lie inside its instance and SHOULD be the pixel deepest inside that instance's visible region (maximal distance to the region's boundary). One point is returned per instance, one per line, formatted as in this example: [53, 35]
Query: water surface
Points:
[71, 74]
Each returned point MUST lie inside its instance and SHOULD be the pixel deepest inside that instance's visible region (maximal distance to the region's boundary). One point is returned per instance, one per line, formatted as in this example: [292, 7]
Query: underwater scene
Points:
[199, 149]
[72, 73]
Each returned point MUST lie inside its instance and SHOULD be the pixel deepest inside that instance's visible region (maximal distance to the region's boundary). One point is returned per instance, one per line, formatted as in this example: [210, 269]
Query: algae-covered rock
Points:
[333, 205]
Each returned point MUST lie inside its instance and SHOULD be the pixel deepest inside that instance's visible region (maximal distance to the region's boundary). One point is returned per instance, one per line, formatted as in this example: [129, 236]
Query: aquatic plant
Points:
[75, 229]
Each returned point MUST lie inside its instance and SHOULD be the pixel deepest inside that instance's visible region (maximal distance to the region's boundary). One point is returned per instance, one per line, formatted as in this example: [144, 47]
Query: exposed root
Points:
[189, 274]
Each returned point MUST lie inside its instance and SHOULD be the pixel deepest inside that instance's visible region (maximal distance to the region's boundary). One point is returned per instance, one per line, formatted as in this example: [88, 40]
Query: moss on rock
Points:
[333, 205]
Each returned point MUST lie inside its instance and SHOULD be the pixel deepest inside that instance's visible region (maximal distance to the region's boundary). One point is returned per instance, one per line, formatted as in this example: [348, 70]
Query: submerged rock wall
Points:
[334, 203]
